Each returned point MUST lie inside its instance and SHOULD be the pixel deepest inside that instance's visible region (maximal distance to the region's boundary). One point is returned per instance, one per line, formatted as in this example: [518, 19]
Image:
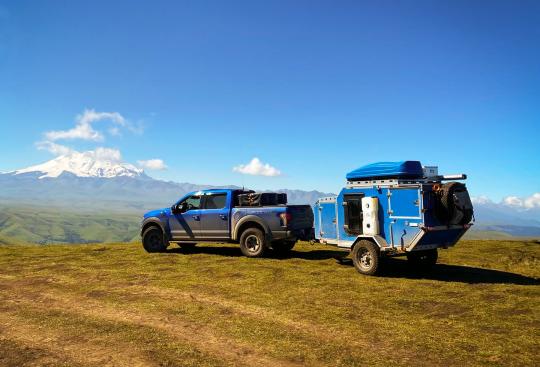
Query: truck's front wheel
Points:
[153, 240]
[252, 242]
[365, 256]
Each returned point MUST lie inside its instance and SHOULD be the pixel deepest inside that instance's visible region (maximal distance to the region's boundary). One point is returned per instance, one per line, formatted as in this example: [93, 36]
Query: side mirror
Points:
[179, 208]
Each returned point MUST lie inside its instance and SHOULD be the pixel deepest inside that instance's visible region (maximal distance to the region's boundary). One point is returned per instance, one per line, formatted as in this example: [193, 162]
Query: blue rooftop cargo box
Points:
[403, 169]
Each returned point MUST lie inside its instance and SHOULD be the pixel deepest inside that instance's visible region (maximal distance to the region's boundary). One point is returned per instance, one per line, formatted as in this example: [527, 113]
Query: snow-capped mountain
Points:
[98, 180]
[85, 164]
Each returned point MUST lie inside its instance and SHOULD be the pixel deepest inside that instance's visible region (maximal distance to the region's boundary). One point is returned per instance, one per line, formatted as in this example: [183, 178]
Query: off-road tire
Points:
[447, 211]
[153, 241]
[366, 257]
[423, 259]
[253, 242]
[283, 247]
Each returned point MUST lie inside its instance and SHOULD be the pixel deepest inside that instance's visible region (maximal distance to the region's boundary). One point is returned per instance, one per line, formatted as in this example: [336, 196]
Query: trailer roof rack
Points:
[397, 181]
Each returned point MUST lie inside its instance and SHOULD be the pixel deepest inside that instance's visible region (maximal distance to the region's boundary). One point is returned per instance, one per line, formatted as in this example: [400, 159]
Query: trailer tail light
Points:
[285, 219]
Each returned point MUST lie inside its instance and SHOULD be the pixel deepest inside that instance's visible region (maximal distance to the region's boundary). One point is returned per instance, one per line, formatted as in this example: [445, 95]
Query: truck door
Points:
[215, 216]
[186, 225]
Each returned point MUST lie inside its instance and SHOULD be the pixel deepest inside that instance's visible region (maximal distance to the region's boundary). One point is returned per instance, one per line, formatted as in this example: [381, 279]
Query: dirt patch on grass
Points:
[25, 344]
[16, 354]
[206, 340]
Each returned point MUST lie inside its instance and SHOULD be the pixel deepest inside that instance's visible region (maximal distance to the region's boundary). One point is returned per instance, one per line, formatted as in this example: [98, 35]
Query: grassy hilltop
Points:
[56, 225]
[115, 305]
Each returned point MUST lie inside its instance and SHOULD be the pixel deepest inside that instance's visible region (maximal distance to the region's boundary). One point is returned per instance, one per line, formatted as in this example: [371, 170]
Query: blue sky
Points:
[313, 88]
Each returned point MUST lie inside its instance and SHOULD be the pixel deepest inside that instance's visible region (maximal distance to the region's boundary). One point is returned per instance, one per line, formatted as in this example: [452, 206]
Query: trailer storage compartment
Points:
[370, 211]
[325, 220]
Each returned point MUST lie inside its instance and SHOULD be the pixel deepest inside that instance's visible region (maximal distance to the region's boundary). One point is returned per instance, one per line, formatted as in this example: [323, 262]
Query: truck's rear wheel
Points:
[283, 247]
[365, 257]
[252, 242]
[423, 259]
[153, 240]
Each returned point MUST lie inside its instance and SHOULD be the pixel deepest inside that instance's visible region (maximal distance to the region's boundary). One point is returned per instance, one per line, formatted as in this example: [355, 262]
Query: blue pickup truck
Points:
[219, 215]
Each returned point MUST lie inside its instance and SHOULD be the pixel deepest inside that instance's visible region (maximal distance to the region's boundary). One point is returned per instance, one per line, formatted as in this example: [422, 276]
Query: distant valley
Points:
[72, 199]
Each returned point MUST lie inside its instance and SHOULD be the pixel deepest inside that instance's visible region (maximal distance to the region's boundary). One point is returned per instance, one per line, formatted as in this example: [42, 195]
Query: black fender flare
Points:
[155, 221]
[251, 218]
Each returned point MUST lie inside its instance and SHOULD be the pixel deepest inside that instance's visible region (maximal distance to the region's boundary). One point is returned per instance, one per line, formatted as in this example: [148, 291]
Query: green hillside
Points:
[53, 225]
[115, 305]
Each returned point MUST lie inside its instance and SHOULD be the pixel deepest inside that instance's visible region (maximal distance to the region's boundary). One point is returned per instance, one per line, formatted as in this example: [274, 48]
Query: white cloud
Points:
[153, 164]
[53, 148]
[83, 128]
[257, 168]
[99, 153]
[513, 201]
[529, 202]
[114, 131]
[532, 201]
[107, 154]
[482, 199]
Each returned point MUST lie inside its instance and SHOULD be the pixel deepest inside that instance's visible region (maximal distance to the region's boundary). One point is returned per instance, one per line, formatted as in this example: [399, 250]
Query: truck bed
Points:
[300, 217]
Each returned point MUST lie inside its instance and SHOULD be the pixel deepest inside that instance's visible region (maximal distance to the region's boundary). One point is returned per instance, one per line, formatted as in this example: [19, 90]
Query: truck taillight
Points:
[285, 219]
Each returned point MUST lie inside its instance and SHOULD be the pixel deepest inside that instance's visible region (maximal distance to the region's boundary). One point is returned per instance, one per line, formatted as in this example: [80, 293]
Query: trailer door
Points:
[352, 212]
[327, 221]
[405, 203]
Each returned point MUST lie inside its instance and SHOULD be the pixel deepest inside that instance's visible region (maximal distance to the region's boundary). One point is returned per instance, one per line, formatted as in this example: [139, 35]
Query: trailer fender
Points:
[378, 240]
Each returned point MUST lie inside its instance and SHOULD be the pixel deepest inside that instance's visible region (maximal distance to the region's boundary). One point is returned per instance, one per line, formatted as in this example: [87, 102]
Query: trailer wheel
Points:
[153, 240]
[252, 242]
[283, 247]
[365, 257]
[423, 259]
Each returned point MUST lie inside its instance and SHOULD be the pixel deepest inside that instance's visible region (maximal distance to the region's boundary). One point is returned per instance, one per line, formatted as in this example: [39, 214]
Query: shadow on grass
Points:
[395, 268]
[235, 252]
[391, 268]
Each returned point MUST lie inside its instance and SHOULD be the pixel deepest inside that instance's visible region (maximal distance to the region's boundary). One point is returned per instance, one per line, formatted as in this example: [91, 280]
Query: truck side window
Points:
[193, 202]
[352, 210]
[215, 201]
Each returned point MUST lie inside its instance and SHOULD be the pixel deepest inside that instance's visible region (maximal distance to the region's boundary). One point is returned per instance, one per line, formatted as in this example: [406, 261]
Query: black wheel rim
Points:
[252, 243]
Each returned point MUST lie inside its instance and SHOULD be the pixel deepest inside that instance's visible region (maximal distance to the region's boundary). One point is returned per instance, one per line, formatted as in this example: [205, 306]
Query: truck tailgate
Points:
[301, 217]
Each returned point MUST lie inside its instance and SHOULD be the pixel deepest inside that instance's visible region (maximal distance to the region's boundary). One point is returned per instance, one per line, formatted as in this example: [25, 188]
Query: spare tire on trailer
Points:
[455, 206]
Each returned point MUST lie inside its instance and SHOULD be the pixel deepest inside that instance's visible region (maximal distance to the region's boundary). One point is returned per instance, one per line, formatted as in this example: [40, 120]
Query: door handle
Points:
[196, 217]
[223, 216]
